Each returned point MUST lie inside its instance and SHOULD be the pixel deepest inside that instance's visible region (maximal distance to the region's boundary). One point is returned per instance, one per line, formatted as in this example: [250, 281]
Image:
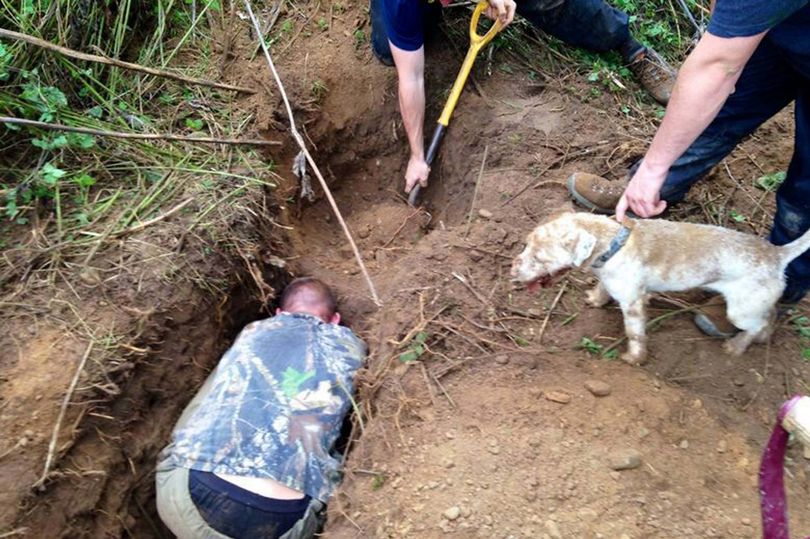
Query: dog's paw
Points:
[736, 346]
[634, 359]
[597, 297]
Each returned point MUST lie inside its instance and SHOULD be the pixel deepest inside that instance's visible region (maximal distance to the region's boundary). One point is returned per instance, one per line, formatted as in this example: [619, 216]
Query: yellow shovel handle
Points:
[477, 42]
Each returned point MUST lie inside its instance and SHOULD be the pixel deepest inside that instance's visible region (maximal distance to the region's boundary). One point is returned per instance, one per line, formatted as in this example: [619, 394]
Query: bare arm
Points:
[705, 81]
[411, 74]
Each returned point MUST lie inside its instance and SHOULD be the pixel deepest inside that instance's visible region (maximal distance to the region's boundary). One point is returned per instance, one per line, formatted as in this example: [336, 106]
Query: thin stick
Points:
[9, 34]
[138, 136]
[548, 314]
[298, 139]
[160, 217]
[475, 191]
[58, 425]
[444, 391]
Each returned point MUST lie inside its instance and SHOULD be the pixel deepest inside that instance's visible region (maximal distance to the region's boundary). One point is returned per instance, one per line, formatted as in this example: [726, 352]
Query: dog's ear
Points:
[583, 244]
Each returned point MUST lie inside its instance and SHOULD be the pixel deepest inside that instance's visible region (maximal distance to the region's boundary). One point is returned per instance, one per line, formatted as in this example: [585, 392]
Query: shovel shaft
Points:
[477, 42]
[433, 149]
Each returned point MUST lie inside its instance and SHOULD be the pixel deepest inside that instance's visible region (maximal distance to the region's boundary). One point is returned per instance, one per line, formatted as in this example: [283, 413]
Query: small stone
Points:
[475, 256]
[535, 441]
[684, 444]
[530, 496]
[627, 459]
[432, 485]
[560, 397]
[501, 359]
[494, 449]
[90, 276]
[806, 453]
[364, 232]
[486, 214]
[553, 529]
[722, 446]
[746, 521]
[643, 432]
[449, 435]
[598, 388]
[465, 511]
[447, 463]
[22, 442]
[453, 513]
[28, 433]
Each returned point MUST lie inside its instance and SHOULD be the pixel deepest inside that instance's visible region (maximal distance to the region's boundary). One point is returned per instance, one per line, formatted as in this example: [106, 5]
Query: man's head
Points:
[310, 296]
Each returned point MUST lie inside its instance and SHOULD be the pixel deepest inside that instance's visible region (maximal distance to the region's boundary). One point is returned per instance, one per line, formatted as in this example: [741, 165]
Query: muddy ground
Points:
[491, 432]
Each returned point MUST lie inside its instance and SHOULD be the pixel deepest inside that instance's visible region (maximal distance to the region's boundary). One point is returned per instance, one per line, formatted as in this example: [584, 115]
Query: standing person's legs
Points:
[590, 24]
[766, 86]
[792, 217]
[596, 26]
[379, 34]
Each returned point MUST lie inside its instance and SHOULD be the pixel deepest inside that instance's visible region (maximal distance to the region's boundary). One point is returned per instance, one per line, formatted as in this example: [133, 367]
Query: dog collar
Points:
[616, 243]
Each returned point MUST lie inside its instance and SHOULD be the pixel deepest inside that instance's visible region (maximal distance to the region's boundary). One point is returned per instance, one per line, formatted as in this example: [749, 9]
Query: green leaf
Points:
[194, 123]
[520, 341]
[85, 180]
[736, 216]
[95, 112]
[81, 140]
[407, 357]
[770, 182]
[51, 174]
[421, 337]
[50, 144]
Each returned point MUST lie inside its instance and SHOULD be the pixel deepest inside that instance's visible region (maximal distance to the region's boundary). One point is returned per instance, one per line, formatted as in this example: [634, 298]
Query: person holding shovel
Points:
[398, 33]
[252, 456]
[752, 62]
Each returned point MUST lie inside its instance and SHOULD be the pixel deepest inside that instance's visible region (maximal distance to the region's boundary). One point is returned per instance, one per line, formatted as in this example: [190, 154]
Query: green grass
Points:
[86, 188]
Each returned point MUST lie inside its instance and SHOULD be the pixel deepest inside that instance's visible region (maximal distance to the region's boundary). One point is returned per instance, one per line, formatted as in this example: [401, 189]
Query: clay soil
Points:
[491, 432]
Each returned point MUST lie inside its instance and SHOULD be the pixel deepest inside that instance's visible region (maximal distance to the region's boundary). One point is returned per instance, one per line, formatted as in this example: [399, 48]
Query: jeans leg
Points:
[590, 24]
[766, 86]
[792, 217]
[379, 35]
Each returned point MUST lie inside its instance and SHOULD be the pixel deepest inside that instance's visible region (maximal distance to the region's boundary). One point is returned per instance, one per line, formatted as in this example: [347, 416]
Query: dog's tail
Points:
[795, 248]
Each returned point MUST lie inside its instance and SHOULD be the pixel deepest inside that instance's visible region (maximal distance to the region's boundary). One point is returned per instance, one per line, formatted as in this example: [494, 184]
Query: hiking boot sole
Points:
[584, 202]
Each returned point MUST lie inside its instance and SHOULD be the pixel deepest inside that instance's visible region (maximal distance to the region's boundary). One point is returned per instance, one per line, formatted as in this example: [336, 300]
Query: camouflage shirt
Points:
[274, 406]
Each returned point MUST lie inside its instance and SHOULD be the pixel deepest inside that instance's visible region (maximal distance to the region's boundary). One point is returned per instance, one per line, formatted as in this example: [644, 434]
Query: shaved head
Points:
[311, 296]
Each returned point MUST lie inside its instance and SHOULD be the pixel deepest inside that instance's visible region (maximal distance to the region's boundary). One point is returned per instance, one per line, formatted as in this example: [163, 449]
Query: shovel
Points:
[477, 42]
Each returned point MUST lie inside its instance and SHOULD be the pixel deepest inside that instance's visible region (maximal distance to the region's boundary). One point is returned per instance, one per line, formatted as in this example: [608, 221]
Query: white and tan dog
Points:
[655, 255]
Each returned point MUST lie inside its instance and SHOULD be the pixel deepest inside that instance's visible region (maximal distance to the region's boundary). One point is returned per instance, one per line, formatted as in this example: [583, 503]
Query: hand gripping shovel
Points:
[477, 43]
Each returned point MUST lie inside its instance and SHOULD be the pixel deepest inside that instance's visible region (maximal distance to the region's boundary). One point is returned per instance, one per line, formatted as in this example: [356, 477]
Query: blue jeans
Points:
[590, 24]
[767, 85]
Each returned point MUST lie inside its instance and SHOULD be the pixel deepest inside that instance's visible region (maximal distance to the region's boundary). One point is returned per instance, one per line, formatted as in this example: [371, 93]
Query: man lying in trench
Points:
[252, 454]
[398, 35]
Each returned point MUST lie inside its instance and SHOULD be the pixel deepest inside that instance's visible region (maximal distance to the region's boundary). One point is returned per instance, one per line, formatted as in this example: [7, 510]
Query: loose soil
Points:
[491, 432]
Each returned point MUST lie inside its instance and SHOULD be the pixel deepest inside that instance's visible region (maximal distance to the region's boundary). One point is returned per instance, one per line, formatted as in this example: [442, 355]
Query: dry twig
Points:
[58, 425]
[31, 40]
[138, 136]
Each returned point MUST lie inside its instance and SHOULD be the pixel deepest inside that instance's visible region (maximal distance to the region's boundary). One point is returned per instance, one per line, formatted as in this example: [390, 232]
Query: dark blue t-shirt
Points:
[404, 23]
[786, 21]
[743, 18]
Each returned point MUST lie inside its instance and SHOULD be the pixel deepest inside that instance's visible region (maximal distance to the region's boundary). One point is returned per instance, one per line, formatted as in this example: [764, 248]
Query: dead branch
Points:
[31, 40]
[300, 141]
[62, 409]
[137, 136]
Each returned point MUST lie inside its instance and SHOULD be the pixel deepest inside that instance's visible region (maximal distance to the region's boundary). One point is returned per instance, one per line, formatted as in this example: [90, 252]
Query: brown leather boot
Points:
[654, 74]
[595, 192]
